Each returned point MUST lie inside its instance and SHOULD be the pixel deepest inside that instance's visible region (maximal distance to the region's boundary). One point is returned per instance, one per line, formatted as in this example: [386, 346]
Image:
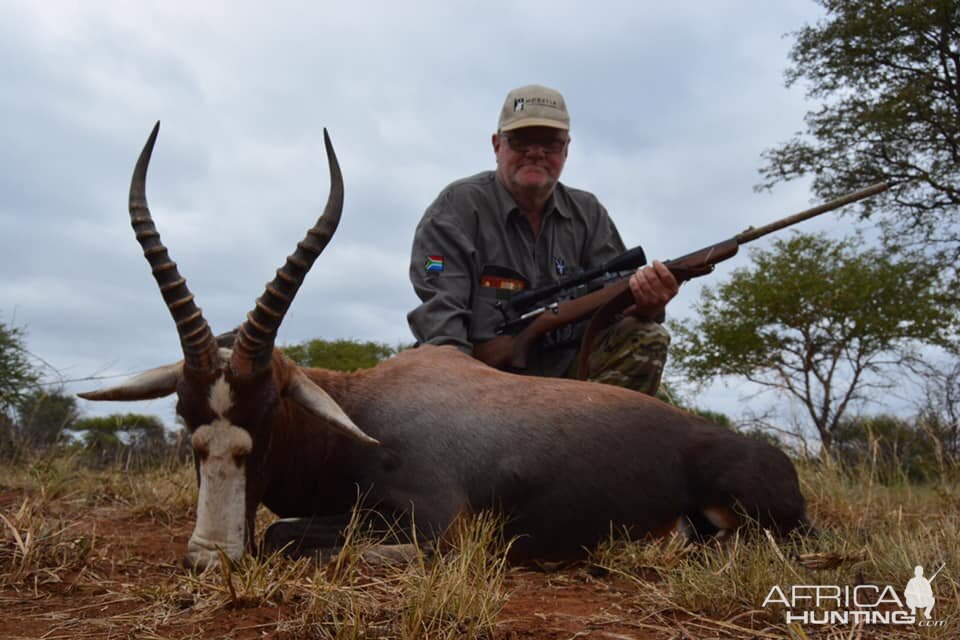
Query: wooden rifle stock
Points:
[511, 351]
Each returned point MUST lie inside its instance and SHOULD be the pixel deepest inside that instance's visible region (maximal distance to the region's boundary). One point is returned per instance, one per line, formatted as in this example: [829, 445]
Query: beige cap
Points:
[533, 106]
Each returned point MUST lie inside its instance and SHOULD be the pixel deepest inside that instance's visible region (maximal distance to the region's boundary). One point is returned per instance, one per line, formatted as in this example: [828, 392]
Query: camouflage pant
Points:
[631, 353]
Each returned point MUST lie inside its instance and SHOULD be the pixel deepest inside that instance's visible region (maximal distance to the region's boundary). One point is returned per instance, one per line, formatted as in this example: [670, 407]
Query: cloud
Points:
[671, 104]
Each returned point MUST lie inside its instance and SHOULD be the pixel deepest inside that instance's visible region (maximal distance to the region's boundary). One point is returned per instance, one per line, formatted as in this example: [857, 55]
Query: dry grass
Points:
[92, 554]
[867, 534]
[458, 593]
[39, 545]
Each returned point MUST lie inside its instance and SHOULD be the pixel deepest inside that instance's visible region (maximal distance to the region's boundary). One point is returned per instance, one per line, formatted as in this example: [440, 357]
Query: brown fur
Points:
[563, 459]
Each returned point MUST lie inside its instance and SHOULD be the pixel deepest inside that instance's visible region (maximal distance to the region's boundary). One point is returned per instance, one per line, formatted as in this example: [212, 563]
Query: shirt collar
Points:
[509, 205]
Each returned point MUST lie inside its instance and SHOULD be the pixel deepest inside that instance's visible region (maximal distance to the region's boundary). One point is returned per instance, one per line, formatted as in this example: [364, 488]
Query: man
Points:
[498, 232]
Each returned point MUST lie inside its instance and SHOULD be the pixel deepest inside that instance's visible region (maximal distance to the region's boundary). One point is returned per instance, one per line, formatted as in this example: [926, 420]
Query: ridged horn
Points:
[196, 338]
[254, 346]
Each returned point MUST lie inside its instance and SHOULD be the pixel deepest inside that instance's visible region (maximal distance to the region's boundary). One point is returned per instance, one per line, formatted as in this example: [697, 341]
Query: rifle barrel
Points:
[754, 233]
[937, 572]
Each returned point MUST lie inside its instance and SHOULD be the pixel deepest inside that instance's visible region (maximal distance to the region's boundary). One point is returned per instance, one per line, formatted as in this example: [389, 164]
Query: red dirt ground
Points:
[110, 596]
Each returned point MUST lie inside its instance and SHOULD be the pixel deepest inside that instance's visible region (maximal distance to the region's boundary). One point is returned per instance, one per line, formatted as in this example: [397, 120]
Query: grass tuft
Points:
[458, 593]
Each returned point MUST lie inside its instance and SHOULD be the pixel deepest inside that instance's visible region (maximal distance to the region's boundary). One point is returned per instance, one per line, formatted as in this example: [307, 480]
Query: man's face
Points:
[530, 160]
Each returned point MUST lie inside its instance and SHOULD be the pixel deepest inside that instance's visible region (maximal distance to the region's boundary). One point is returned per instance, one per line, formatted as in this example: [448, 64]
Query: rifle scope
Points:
[628, 260]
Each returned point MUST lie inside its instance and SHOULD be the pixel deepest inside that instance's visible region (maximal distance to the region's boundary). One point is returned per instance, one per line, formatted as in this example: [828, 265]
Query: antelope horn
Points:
[196, 338]
[254, 346]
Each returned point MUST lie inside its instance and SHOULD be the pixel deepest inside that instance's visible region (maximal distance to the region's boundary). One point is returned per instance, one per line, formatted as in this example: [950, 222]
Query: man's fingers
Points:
[653, 285]
[666, 277]
[643, 290]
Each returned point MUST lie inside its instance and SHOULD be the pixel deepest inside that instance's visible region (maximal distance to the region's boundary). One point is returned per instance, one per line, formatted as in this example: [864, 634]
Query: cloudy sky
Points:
[671, 103]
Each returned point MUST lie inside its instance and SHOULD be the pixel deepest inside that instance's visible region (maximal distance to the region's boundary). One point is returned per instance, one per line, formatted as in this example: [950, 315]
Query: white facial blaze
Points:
[221, 508]
[221, 397]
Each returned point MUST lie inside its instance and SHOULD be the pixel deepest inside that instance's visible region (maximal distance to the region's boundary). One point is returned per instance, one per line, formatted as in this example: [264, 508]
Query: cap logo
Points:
[531, 106]
[543, 102]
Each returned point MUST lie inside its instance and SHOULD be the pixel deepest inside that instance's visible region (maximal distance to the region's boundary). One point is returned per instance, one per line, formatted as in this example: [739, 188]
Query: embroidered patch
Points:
[434, 263]
[497, 282]
[501, 281]
[561, 266]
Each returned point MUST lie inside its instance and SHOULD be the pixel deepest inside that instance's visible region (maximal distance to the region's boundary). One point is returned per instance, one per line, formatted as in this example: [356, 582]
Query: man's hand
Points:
[653, 287]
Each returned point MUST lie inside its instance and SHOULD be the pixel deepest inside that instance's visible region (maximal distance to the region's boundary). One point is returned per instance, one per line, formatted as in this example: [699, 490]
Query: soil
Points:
[116, 591]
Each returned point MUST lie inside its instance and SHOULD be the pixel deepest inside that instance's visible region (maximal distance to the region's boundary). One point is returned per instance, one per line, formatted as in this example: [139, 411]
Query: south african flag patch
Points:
[434, 263]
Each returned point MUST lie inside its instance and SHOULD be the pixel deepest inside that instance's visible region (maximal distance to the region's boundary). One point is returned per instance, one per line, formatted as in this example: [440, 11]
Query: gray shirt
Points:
[473, 234]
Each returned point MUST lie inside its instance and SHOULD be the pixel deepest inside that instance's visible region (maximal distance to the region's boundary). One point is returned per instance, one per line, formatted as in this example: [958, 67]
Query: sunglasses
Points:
[524, 143]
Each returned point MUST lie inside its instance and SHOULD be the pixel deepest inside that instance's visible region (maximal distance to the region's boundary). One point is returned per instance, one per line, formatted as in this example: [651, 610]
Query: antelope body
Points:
[435, 434]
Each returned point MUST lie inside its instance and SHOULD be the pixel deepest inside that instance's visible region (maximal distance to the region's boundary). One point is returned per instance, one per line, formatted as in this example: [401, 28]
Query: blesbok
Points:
[434, 432]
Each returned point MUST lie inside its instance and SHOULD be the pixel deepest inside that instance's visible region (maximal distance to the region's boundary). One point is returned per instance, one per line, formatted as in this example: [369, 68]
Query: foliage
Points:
[887, 76]
[340, 355]
[713, 416]
[892, 449]
[106, 436]
[17, 373]
[940, 409]
[44, 415]
[50, 422]
[817, 320]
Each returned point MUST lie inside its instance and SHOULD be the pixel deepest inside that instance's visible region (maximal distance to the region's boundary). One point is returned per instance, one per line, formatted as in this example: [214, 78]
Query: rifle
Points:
[604, 301]
[629, 260]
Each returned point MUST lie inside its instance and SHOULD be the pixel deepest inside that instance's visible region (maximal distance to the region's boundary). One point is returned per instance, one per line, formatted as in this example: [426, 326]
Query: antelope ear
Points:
[314, 399]
[148, 385]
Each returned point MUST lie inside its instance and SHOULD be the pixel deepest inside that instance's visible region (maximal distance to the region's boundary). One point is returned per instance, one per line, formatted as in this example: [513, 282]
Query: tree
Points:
[44, 415]
[816, 320]
[106, 436]
[892, 448]
[17, 373]
[940, 406]
[341, 355]
[887, 76]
